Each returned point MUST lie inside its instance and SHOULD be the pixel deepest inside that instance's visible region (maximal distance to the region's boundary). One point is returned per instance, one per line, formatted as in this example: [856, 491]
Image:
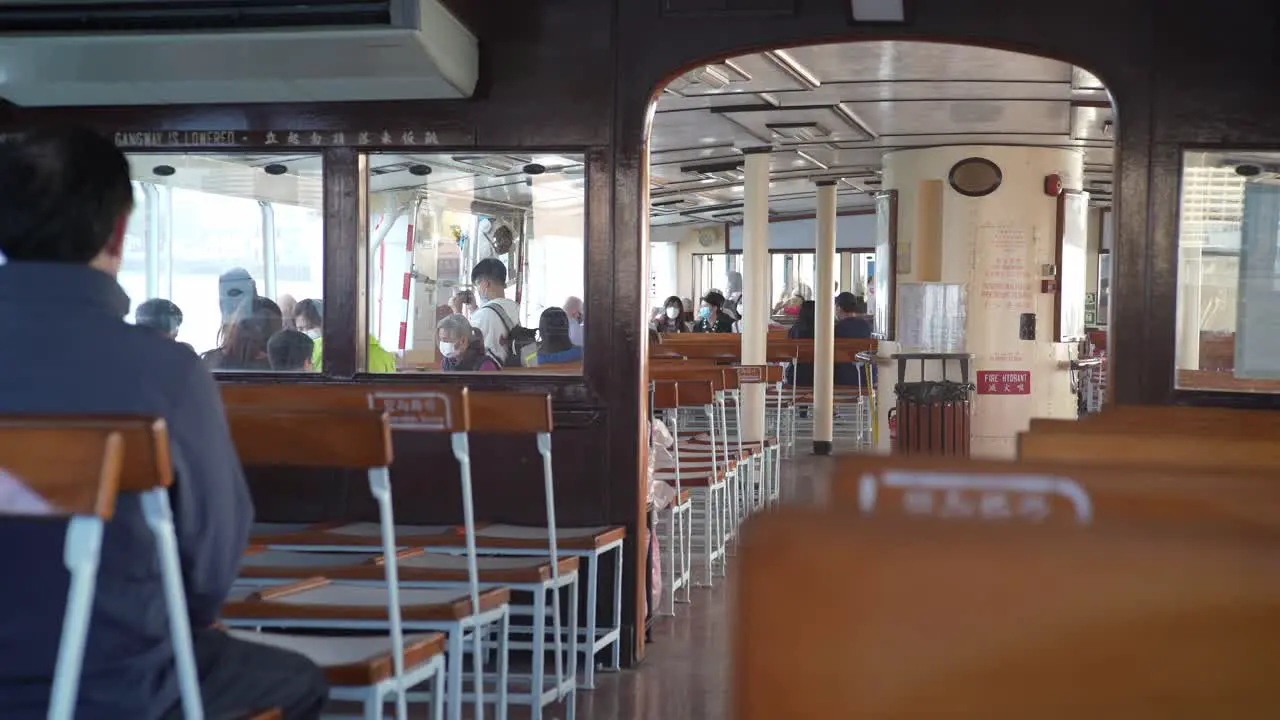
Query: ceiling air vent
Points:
[155, 52]
[722, 172]
[798, 132]
[493, 164]
[99, 16]
[672, 205]
[718, 76]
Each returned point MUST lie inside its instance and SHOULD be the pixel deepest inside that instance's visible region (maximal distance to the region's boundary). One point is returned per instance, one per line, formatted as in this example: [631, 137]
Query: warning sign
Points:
[1004, 382]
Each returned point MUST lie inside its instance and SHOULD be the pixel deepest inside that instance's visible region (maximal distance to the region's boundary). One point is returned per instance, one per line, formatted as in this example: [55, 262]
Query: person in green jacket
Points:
[308, 317]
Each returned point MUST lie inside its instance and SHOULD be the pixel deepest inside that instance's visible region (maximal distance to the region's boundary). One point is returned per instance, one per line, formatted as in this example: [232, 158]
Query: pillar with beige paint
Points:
[982, 242]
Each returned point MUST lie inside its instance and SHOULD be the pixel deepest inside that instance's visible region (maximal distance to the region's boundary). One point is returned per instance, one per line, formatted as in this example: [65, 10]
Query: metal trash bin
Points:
[933, 416]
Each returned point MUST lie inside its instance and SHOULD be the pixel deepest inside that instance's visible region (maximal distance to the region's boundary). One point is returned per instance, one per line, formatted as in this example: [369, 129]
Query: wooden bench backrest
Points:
[711, 375]
[1175, 418]
[840, 618]
[330, 438]
[1186, 452]
[666, 395]
[145, 463]
[427, 408]
[1055, 493]
[75, 469]
[696, 393]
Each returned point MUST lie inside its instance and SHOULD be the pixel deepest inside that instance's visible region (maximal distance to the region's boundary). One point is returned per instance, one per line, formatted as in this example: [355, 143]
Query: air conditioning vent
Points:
[167, 15]
[492, 165]
[672, 205]
[79, 53]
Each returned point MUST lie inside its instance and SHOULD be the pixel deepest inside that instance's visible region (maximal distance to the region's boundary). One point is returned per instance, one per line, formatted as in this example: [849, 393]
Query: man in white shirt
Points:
[495, 315]
[573, 308]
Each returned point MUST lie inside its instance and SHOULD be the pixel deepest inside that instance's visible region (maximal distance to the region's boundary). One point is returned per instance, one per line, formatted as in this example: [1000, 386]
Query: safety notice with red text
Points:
[1004, 382]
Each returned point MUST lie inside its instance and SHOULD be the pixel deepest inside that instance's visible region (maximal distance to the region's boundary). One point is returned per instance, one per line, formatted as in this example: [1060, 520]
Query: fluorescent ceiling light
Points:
[878, 10]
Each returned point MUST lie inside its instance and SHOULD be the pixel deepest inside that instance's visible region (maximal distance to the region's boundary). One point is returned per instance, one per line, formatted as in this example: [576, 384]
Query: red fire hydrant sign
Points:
[1004, 382]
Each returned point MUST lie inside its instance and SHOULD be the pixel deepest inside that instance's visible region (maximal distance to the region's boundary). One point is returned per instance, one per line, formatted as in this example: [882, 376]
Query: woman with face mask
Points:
[711, 319]
[461, 348]
[672, 318]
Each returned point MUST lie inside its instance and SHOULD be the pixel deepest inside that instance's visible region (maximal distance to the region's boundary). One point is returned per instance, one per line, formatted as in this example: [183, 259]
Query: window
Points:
[1228, 332]
[433, 218]
[210, 231]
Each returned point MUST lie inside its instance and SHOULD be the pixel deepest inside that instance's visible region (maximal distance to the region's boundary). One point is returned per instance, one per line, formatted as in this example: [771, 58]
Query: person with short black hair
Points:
[290, 351]
[710, 316]
[496, 317]
[160, 315]
[65, 197]
[850, 320]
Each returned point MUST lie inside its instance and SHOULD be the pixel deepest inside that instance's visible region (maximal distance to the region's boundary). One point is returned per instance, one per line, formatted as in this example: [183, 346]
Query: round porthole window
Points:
[975, 177]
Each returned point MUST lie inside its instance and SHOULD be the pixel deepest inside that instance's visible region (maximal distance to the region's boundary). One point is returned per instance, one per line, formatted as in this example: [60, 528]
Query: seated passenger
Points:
[577, 319]
[162, 316]
[672, 319]
[244, 340]
[462, 347]
[554, 345]
[66, 200]
[290, 351]
[308, 317]
[851, 322]
[711, 319]
[801, 374]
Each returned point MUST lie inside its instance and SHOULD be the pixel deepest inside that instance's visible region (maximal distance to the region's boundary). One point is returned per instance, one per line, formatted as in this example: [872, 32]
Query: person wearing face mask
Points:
[711, 318]
[308, 318]
[672, 318]
[461, 348]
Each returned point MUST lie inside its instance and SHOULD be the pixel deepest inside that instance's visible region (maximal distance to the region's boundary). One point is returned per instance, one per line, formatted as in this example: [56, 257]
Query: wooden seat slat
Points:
[535, 538]
[352, 661]
[319, 599]
[415, 566]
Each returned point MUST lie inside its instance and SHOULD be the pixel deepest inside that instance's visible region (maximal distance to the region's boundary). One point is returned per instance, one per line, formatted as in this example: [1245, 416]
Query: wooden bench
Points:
[703, 475]
[837, 617]
[1227, 453]
[1167, 419]
[461, 412]
[356, 439]
[1066, 494]
[77, 466]
[675, 524]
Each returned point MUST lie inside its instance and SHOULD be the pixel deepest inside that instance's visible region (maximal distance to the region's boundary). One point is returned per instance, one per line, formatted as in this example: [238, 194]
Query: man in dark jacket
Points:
[66, 199]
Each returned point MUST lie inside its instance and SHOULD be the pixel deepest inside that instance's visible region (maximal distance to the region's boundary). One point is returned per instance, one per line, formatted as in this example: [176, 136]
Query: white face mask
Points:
[448, 349]
[673, 313]
[313, 333]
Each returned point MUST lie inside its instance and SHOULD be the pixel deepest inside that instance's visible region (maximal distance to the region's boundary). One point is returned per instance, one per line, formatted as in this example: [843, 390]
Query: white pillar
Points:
[755, 281]
[824, 343]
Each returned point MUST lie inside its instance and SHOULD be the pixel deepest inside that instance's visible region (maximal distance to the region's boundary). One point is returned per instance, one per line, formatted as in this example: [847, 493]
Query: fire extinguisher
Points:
[893, 425]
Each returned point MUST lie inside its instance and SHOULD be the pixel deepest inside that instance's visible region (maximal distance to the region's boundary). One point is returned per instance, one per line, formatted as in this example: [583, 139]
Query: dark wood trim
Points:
[345, 239]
